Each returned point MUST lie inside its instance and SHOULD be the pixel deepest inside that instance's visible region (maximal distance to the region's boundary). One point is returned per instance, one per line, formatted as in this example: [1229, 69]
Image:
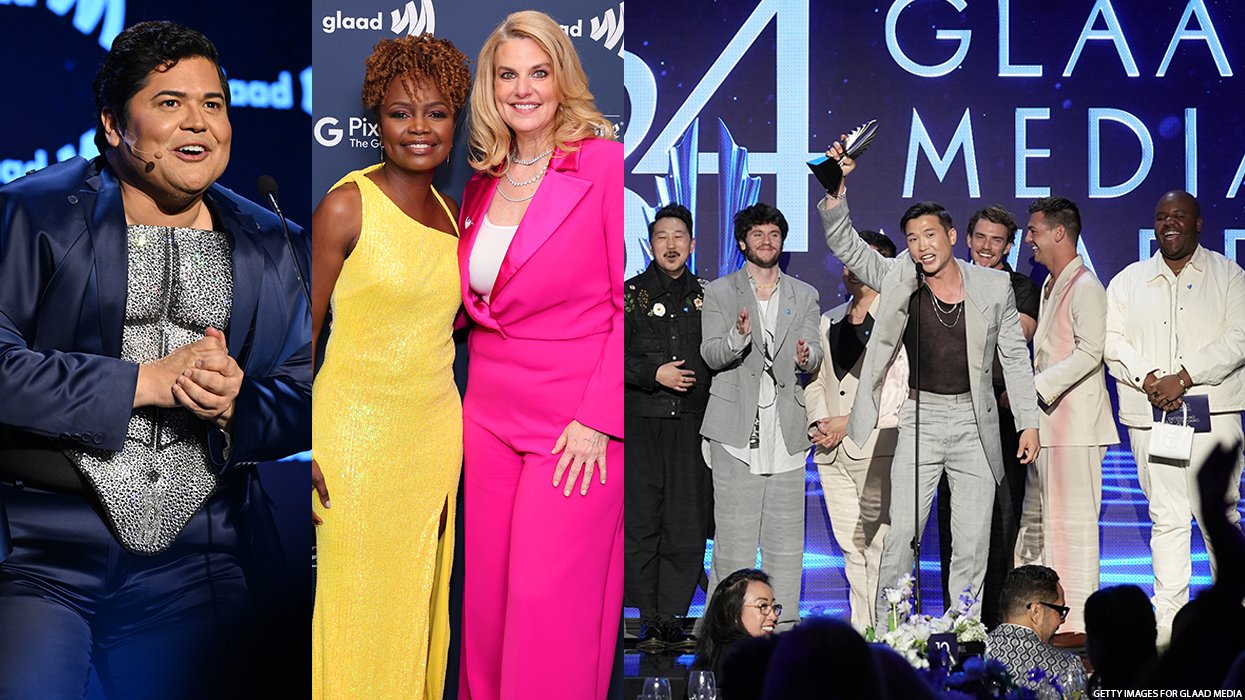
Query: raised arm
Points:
[856, 255]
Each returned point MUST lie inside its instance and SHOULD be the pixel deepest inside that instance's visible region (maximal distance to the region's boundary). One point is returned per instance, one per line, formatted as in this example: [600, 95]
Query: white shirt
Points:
[1156, 320]
[489, 250]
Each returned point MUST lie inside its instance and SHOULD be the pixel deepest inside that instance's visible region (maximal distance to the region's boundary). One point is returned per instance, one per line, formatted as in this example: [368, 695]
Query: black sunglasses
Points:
[1063, 610]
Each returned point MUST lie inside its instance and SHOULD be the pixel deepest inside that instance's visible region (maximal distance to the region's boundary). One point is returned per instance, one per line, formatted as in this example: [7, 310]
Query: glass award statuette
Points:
[827, 169]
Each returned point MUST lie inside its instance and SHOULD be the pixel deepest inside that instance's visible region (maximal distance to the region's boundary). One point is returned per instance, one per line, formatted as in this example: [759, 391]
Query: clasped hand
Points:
[1164, 393]
[200, 377]
[829, 432]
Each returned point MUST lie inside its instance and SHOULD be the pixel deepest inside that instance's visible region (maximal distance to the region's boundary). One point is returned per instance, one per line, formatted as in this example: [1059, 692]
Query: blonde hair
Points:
[577, 117]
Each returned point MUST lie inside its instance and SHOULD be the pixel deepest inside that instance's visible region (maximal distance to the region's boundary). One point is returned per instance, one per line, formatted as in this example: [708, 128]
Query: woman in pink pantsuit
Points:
[541, 256]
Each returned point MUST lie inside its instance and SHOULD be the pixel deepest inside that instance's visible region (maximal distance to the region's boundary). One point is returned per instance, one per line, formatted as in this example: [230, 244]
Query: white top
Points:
[489, 250]
[1156, 320]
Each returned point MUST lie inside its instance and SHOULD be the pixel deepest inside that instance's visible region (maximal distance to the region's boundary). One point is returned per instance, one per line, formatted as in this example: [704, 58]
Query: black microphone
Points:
[268, 189]
[920, 269]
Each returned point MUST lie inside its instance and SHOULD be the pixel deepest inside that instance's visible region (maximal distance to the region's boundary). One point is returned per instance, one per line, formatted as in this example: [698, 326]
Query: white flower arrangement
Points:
[909, 633]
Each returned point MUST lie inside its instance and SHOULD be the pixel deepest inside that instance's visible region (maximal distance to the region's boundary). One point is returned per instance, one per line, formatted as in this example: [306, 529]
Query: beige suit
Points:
[1063, 494]
[855, 479]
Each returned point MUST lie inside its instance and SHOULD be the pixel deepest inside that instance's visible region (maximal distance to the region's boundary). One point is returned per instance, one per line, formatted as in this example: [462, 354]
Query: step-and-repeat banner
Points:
[345, 134]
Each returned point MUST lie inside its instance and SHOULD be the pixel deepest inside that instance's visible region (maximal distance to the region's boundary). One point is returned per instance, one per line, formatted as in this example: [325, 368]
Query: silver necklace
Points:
[502, 192]
[956, 309]
[514, 157]
[528, 181]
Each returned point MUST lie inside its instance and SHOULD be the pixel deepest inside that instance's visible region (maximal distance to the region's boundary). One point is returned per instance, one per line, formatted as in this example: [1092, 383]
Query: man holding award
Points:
[951, 316]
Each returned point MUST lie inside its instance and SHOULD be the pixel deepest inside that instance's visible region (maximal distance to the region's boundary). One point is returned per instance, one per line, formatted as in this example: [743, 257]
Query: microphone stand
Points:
[916, 452]
[268, 188]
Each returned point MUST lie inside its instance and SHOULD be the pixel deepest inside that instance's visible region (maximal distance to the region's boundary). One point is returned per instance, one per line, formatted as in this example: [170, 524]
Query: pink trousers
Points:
[543, 572]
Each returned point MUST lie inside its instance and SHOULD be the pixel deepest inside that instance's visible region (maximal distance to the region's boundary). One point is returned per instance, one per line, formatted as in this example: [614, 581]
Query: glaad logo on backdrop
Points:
[609, 30]
[360, 132]
[412, 18]
[13, 168]
[606, 29]
[106, 16]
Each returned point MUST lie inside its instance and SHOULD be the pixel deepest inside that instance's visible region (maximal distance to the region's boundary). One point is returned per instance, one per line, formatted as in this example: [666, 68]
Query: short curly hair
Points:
[417, 60]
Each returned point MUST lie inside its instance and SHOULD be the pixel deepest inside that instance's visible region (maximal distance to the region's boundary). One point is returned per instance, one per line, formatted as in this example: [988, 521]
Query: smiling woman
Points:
[385, 262]
[542, 258]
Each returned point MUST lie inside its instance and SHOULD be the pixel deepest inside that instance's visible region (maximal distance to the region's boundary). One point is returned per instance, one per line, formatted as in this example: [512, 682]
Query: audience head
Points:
[742, 606]
[805, 654]
[744, 668]
[1120, 633]
[1032, 597]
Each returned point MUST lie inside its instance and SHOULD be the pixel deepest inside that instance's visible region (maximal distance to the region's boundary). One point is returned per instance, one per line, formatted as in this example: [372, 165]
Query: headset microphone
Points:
[142, 155]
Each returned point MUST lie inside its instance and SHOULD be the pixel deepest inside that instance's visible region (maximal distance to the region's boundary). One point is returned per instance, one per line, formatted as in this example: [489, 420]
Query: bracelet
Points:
[832, 195]
[1180, 380]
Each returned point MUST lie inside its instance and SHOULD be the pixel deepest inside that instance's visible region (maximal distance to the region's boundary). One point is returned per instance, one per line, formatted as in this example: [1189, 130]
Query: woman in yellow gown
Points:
[387, 418]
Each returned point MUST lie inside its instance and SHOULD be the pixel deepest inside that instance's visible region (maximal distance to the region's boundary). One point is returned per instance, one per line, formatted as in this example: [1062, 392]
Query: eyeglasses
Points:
[1063, 610]
[766, 608]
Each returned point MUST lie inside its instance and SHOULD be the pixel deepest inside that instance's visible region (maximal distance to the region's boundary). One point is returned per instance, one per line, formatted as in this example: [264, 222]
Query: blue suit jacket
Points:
[63, 274]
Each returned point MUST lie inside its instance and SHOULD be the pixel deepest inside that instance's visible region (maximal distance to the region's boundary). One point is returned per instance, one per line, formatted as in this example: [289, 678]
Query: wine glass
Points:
[656, 689]
[702, 686]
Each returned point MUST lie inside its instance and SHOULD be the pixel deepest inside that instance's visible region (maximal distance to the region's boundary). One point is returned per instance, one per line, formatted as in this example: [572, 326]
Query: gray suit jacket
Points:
[736, 387]
[991, 322]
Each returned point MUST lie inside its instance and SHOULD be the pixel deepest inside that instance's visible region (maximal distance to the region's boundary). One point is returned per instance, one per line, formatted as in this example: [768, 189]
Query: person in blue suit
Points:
[154, 344]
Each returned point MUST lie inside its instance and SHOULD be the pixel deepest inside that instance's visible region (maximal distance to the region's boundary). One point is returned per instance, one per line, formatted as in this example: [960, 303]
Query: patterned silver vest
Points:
[180, 282]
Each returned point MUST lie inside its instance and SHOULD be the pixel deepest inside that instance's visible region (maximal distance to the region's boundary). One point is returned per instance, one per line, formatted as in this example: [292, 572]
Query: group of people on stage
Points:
[535, 255]
[928, 357]
[156, 341]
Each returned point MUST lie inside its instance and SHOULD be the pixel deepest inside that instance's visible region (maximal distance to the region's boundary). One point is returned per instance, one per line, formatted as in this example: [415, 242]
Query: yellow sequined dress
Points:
[388, 438]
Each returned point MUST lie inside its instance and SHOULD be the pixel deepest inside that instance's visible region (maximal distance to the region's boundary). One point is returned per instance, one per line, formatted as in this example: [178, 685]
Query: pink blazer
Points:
[562, 277]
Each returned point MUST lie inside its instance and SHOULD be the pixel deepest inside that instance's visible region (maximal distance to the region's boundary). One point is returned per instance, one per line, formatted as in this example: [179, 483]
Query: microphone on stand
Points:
[268, 189]
[916, 450]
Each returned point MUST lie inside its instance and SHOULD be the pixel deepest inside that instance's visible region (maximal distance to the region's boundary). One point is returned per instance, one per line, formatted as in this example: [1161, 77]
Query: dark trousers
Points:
[173, 625]
[668, 513]
[1004, 525]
